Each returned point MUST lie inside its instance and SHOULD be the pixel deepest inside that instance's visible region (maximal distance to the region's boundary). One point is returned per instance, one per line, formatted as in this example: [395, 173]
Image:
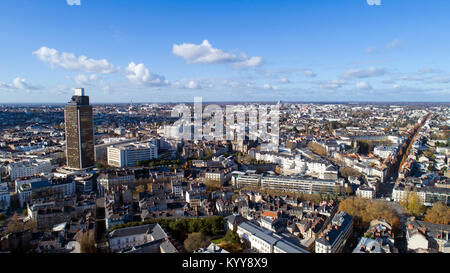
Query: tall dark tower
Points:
[79, 132]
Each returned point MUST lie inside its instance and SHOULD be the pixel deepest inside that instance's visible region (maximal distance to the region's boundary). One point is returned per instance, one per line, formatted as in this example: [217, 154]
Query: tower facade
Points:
[79, 125]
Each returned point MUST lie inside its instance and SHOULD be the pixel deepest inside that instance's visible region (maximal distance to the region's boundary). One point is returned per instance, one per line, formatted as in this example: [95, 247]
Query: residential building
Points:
[123, 238]
[365, 191]
[422, 236]
[27, 168]
[379, 238]
[336, 235]
[265, 241]
[128, 155]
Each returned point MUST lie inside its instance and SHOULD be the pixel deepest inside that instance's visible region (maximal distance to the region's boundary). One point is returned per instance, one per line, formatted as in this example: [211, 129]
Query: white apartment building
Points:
[287, 183]
[301, 184]
[366, 192]
[298, 164]
[384, 152]
[215, 175]
[28, 168]
[128, 155]
[264, 241]
[177, 189]
[367, 169]
[428, 195]
[241, 179]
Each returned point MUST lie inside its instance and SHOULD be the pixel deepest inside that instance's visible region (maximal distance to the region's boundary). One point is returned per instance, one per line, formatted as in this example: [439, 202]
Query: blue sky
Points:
[225, 50]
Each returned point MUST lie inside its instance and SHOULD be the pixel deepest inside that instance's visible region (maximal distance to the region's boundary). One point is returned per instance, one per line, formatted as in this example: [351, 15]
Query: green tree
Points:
[232, 237]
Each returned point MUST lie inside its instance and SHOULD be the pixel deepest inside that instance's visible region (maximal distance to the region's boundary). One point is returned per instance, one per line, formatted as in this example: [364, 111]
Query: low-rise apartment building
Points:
[265, 241]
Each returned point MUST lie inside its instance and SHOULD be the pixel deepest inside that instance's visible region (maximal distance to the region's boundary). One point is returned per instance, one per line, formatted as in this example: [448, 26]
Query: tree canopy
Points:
[196, 240]
[413, 204]
[365, 210]
[438, 214]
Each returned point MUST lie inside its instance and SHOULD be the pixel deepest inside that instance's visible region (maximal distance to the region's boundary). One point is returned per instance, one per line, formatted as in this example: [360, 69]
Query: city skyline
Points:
[156, 51]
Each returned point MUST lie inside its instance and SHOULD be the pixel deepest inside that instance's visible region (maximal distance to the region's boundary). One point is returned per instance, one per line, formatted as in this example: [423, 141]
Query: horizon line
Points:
[221, 102]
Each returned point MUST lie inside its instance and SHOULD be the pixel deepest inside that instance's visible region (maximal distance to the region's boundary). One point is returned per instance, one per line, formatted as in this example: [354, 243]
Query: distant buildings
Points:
[128, 155]
[384, 152]
[45, 188]
[427, 237]
[306, 185]
[80, 151]
[336, 234]
[46, 215]
[101, 150]
[427, 194]
[27, 168]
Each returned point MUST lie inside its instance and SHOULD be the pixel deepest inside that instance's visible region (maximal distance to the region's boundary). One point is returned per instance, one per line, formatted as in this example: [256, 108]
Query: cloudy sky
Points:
[224, 50]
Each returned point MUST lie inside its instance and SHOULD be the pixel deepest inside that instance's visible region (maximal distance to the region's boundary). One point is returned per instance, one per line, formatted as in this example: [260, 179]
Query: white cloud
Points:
[251, 62]
[284, 80]
[309, 74]
[192, 85]
[5, 86]
[363, 86]
[84, 79]
[394, 44]
[391, 45]
[367, 73]
[412, 78]
[334, 84]
[18, 84]
[372, 50]
[428, 71]
[139, 73]
[445, 79]
[270, 87]
[205, 53]
[70, 62]
[73, 2]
